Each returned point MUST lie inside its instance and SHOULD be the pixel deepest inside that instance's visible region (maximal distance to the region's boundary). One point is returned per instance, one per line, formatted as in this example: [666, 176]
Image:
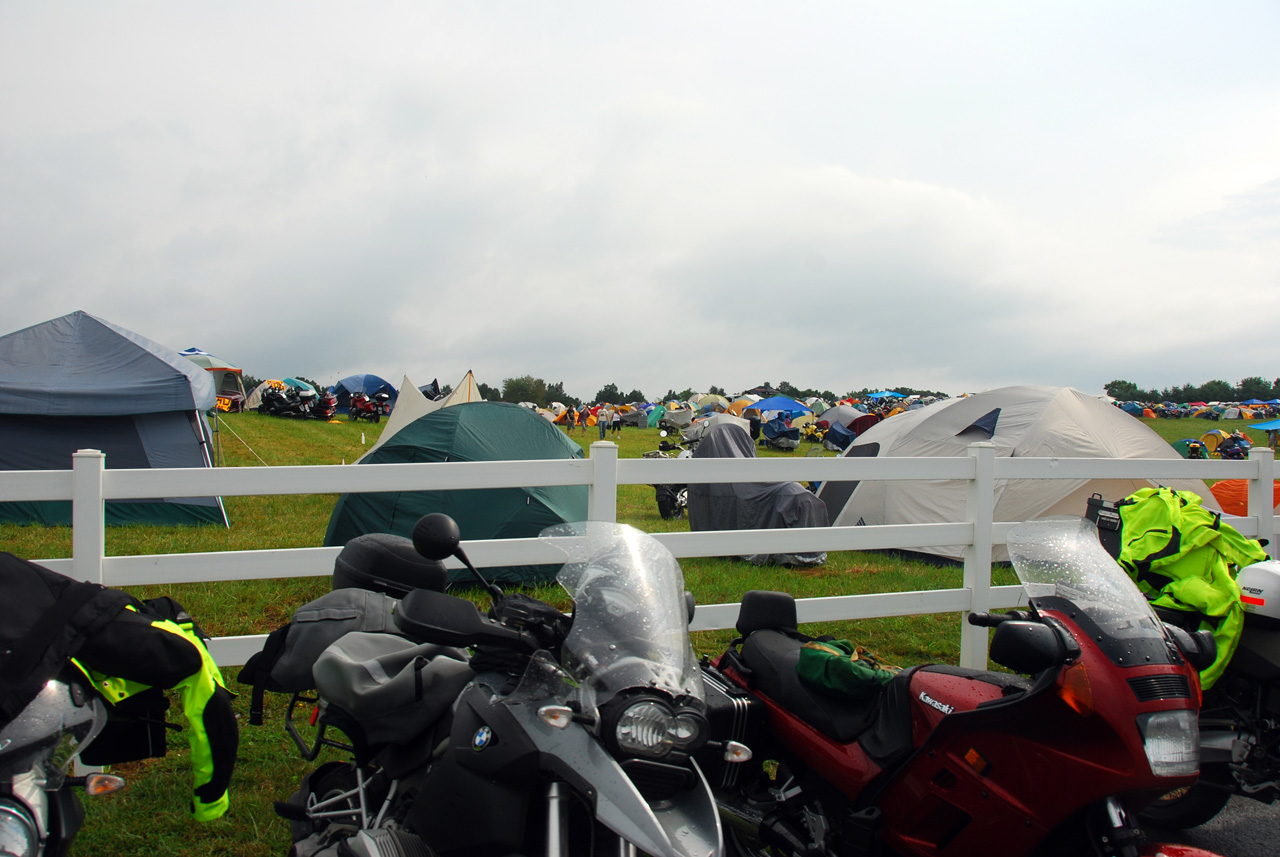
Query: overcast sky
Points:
[952, 196]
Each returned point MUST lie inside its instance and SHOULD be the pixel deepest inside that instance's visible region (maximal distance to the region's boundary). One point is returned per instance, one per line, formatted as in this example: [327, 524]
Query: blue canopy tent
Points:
[367, 384]
[779, 403]
[885, 394]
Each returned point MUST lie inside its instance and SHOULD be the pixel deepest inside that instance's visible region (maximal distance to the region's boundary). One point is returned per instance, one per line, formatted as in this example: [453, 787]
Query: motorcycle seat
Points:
[772, 658]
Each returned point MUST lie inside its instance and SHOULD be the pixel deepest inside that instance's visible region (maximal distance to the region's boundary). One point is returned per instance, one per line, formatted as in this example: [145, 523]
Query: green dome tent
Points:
[474, 431]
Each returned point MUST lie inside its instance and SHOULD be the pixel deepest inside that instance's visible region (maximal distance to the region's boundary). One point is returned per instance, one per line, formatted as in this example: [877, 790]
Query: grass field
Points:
[149, 817]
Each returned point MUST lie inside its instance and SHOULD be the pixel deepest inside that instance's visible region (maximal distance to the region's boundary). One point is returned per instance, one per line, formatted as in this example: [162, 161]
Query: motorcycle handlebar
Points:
[991, 620]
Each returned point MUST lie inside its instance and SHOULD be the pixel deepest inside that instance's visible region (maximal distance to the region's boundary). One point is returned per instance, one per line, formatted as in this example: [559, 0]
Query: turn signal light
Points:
[102, 784]
[1075, 690]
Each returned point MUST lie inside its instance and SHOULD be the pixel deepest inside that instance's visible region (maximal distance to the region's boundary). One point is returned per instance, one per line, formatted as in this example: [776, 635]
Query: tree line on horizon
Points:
[1211, 391]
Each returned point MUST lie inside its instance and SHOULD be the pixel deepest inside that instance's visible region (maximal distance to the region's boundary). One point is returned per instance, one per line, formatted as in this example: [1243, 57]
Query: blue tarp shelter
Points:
[80, 382]
[779, 403]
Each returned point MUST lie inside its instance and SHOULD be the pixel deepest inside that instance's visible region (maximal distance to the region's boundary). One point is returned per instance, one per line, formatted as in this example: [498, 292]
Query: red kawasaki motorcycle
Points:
[1096, 719]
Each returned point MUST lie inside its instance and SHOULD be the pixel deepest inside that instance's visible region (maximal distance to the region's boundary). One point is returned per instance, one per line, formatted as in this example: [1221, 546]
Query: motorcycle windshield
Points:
[1060, 559]
[630, 620]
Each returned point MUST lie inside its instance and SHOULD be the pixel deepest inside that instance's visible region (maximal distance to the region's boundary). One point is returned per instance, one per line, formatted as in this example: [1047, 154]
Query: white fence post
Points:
[602, 499]
[981, 508]
[1262, 496]
[88, 515]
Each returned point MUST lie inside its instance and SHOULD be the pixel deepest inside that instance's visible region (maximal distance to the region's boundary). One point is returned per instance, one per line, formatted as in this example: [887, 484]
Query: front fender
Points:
[685, 826]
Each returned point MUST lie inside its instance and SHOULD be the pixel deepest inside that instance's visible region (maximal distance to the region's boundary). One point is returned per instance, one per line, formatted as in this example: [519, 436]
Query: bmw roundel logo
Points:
[481, 739]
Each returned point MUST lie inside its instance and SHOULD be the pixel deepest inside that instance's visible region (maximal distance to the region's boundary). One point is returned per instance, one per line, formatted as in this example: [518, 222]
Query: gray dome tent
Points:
[79, 382]
[1020, 421]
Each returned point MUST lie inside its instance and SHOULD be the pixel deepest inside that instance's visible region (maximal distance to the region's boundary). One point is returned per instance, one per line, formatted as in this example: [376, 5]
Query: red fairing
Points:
[981, 773]
[977, 772]
[1164, 850]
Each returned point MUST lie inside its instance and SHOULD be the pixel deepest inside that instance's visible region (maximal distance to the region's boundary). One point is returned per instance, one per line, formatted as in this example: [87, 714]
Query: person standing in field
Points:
[603, 417]
[617, 423]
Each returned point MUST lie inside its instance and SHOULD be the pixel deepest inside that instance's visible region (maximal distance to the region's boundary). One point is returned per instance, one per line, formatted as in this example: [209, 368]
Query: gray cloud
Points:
[706, 197]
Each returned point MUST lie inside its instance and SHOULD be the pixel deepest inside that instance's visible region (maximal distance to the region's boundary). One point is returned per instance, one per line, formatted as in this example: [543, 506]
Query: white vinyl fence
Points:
[89, 484]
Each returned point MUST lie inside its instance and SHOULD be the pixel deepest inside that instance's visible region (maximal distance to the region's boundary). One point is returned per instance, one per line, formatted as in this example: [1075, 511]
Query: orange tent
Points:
[1233, 496]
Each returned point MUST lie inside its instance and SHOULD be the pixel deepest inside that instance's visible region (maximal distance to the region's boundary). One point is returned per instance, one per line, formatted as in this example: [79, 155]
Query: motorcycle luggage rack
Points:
[311, 752]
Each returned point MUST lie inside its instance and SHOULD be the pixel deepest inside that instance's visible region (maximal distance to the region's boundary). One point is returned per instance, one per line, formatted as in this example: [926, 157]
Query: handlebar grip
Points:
[988, 620]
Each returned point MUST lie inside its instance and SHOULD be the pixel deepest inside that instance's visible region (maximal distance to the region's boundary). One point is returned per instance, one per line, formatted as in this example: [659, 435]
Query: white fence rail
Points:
[89, 485]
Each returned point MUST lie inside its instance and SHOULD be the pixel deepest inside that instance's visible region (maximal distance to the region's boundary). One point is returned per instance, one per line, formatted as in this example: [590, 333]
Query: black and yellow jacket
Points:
[124, 647]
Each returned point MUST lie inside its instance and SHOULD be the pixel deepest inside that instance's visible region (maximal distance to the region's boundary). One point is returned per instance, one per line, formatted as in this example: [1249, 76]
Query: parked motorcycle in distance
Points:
[561, 735]
[946, 760]
[40, 814]
[325, 406]
[371, 408]
[290, 402]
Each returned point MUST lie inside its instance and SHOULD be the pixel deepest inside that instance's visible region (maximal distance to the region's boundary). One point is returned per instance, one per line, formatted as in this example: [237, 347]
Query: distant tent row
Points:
[81, 382]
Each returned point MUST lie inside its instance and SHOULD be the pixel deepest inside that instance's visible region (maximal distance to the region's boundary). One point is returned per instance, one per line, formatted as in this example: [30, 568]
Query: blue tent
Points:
[81, 382]
[885, 394]
[779, 403]
[1274, 425]
[367, 384]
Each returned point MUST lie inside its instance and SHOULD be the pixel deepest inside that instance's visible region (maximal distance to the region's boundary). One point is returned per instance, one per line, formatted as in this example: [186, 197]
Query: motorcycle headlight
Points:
[1172, 742]
[18, 834]
[649, 728]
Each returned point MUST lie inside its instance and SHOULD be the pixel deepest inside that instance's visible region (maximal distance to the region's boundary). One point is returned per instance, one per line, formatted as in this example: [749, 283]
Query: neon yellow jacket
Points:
[1183, 557]
[211, 728]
